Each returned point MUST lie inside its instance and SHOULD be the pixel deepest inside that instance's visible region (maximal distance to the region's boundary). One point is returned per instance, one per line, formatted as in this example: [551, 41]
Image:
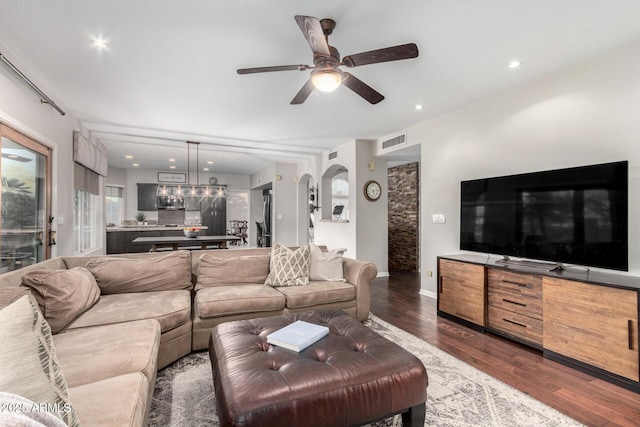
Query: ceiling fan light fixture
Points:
[326, 80]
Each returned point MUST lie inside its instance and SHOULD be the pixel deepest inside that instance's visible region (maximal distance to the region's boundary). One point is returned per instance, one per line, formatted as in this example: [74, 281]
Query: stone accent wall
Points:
[403, 196]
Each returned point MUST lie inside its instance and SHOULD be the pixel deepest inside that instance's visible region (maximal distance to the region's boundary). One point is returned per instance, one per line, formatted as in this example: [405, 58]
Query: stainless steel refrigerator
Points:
[266, 218]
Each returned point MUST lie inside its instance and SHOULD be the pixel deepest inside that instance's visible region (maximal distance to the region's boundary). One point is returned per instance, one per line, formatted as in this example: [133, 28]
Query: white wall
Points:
[372, 218]
[587, 114]
[285, 198]
[337, 234]
[20, 108]
[365, 235]
[116, 176]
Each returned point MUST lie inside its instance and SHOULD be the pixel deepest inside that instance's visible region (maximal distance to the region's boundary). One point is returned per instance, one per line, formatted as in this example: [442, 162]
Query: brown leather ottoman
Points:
[351, 377]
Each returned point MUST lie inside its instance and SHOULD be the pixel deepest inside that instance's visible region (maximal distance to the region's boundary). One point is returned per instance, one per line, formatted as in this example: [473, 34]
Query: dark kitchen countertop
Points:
[154, 227]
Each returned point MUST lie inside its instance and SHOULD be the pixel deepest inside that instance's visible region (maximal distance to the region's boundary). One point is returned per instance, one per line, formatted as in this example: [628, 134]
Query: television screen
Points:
[575, 216]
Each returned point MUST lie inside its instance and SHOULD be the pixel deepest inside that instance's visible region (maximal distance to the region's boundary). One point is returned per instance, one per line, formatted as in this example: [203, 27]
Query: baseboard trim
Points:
[383, 274]
[428, 294]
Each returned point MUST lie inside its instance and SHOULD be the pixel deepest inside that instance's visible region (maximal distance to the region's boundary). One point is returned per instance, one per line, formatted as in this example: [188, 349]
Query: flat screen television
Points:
[576, 216]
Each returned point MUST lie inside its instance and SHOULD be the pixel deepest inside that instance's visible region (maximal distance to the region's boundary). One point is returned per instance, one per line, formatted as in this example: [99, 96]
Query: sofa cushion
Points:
[120, 275]
[317, 293]
[326, 265]
[216, 271]
[11, 294]
[288, 267]
[28, 363]
[118, 401]
[170, 308]
[62, 295]
[92, 354]
[229, 300]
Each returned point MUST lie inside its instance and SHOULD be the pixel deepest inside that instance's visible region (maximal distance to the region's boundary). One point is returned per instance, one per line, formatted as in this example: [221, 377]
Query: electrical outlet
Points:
[438, 219]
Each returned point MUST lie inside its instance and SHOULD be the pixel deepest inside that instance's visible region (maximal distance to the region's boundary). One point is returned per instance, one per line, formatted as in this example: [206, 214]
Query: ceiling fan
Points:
[326, 75]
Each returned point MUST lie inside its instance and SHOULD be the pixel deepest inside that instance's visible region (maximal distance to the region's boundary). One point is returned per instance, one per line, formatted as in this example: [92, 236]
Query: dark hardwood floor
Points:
[590, 400]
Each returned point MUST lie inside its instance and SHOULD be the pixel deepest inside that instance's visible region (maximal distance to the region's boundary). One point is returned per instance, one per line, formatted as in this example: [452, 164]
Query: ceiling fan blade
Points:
[269, 69]
[303, 94]
[394, 53]
[312, 31]
[361, 88]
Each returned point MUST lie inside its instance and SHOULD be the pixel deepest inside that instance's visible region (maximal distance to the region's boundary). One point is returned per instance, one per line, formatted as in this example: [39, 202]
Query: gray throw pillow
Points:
[326, 266]
[62, 295]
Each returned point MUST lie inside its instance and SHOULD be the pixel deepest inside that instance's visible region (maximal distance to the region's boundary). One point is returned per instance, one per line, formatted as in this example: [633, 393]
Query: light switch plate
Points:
[438, 218]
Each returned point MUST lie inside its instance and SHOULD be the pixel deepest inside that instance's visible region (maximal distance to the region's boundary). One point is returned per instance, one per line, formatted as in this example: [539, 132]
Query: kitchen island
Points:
[175, 242]
[119, 239]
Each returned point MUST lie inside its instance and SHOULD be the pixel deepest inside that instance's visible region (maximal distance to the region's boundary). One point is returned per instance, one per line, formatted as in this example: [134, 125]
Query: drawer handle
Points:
[514, 302]
[522, 285]
[440, 285]
[630, 333]
[514, 323]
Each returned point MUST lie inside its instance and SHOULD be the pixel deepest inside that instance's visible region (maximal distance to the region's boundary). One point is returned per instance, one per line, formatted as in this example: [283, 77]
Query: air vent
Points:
[333, 155]
[400, 139]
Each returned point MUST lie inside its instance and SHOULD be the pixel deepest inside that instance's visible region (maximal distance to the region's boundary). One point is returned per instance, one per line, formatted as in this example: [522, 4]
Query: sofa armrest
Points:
[360, 273]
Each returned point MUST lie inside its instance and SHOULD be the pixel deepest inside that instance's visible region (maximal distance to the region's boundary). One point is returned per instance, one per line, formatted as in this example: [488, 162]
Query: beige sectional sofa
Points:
[155, 308]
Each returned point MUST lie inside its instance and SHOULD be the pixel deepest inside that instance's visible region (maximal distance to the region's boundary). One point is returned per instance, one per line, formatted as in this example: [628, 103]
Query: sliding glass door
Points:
[24, 223]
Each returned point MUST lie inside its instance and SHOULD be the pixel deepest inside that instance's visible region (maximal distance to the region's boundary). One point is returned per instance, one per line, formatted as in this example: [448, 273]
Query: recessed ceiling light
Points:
[419, 107]
[205, 169]
[128, 156]
[172, 160]
[514, 64]
[100, 43]
[172, 167]
[135, 164]
[209, 162]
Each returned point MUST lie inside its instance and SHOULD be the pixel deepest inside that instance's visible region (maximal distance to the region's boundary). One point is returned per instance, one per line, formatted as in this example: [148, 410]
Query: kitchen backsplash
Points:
[169, 216]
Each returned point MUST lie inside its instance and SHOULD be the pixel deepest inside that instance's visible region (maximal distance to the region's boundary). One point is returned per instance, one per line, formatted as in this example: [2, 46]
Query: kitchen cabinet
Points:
[120, 241]
[147, 199]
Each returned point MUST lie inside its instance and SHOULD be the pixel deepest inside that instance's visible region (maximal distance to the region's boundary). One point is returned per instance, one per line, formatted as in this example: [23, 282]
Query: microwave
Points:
[171, 202]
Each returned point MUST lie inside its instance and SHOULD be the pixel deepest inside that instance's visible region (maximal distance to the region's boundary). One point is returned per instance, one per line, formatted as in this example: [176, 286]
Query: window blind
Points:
[85, 179]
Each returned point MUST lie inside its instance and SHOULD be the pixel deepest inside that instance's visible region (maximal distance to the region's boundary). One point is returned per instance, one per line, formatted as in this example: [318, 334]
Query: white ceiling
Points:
[168, 75]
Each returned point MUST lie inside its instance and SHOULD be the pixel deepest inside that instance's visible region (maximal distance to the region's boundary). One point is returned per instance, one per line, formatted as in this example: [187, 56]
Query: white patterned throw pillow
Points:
[28, 365]
[288, 267]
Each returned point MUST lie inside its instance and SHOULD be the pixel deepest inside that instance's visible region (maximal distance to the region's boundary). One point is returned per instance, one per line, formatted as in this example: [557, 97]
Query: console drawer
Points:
[516, 325]
[525, 284]
[515, 302]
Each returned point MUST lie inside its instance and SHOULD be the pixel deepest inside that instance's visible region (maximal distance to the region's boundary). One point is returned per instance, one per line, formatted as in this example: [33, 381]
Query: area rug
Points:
[458, 395]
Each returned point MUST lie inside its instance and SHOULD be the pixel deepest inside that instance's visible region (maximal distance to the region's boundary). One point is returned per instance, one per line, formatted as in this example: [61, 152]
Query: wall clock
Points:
[213, 180]
[372, 190]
